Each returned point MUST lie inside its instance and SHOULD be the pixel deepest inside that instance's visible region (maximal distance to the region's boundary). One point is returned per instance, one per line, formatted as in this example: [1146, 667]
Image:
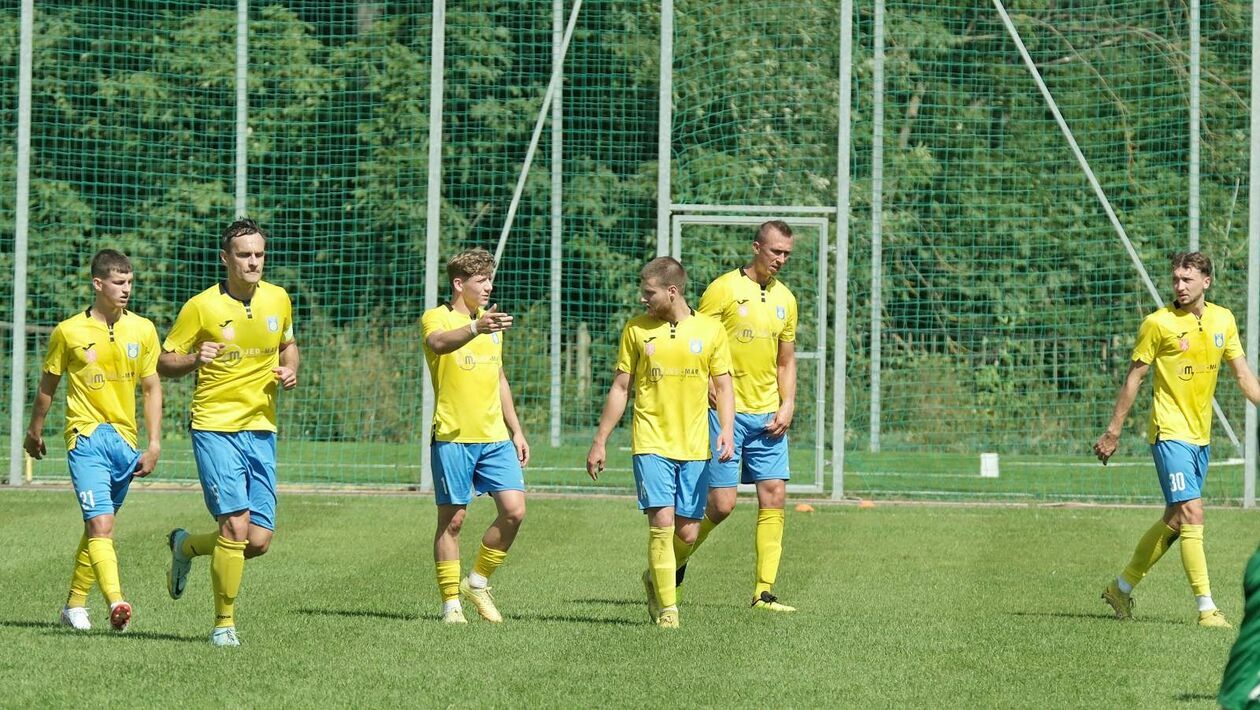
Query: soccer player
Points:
[477, 443]
[672, 356]
[237, 336]
[759, 314]
[1186, 343]
[1240, 686]
[103, 351]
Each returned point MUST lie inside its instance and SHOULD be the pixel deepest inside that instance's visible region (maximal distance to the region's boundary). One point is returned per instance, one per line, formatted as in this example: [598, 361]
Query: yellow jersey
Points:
[671, 365]
[468, 409]
[1186, 353]
[102, 364]
[757, 319]
[236, 392]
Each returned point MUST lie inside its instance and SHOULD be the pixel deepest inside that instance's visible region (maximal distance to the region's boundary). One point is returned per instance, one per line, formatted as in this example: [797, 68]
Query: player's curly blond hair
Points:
[470, 263]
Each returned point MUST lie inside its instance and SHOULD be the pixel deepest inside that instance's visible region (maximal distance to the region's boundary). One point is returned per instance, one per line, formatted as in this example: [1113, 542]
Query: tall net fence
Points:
[1008, 305]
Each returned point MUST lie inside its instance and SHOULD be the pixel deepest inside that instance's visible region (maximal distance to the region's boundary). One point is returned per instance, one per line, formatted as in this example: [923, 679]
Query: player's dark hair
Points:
[665, 271]
[108, 261]
[1192, 260]
[470, 263]
[240, 228]
[774, 225]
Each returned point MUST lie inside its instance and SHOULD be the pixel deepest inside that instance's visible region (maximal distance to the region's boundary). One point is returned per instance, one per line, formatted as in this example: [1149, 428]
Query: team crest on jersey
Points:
[273, 324]
[494, 338]
[781, 312]
[1183, 344]
[133, 350]
[649, 349]
[743, 311]
[89, 354]
[697, 345]
[1219, 339]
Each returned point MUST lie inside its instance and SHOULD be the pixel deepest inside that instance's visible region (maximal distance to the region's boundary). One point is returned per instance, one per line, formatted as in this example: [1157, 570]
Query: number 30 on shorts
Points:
[1176, 481]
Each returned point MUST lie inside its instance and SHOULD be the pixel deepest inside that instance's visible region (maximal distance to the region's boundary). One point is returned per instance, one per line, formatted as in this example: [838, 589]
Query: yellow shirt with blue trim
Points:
[671, 366]
[1186, 353]
[757, 320]
[102, 365]
[468, 409]
[236, 392]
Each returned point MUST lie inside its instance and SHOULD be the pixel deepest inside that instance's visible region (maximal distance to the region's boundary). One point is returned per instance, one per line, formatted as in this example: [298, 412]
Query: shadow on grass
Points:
[683, 603]
[361, 614]
[576, 619]
[1194, 697]
[1092, 617]
[53, 628]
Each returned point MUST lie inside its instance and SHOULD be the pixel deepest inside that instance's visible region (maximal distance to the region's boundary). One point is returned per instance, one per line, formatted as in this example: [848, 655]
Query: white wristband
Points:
[473, 327]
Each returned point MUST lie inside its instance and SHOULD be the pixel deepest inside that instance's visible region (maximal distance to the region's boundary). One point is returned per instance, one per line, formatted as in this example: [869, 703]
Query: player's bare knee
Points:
[687, 533]
[100, 526]
[720, 509]
[453, 524]
[235, 526]
[257, 546]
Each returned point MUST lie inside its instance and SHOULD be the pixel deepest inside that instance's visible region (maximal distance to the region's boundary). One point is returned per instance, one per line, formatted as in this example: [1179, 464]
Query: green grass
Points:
[882, 476]
[900, 606]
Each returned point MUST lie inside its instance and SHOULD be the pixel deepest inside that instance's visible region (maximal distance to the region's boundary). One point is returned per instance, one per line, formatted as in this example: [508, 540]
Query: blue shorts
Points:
[238, 472]
[665, 483]
[458, 468]
[101, 466]
[758, 456]
[1182, 469]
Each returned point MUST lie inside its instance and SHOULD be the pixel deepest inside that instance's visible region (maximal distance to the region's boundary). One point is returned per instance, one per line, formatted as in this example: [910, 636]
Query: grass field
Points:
[923, 606]
[889, 475]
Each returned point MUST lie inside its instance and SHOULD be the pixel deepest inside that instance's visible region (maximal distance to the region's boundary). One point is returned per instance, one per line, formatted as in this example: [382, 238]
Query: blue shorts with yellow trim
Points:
[459, 469]
[758, 456]
[238, 472]
[101, 468]
[664, 482]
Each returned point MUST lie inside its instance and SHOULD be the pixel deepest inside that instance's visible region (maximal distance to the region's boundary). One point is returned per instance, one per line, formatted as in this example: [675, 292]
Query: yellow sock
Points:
[105, 565]
[706, 527]
[1150, 548]
[1194, 559]
[769, 548]
[227, 566]
[448, 579]
[83, 578]
[682, 551]
[198, 545]
[661, 563]
[488, 560]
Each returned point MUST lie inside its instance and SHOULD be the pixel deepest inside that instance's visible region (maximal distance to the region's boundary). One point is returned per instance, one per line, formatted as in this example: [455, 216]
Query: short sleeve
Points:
[55, 361]
[627, 351]
[1233, 345]
[712, 302]
[720, 361]
[1147, 345]
[789, 329]
[287, 321]
[149, 349]
[182, 337]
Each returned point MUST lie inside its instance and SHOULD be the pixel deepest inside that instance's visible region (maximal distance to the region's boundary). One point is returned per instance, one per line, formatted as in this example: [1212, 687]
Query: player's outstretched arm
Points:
[614, 407]
[34, 440]
[151, 386]
[448, 341]
[174, 365]
[1110, 439]
[510, 419]
[725, 395]
[1247, 381]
